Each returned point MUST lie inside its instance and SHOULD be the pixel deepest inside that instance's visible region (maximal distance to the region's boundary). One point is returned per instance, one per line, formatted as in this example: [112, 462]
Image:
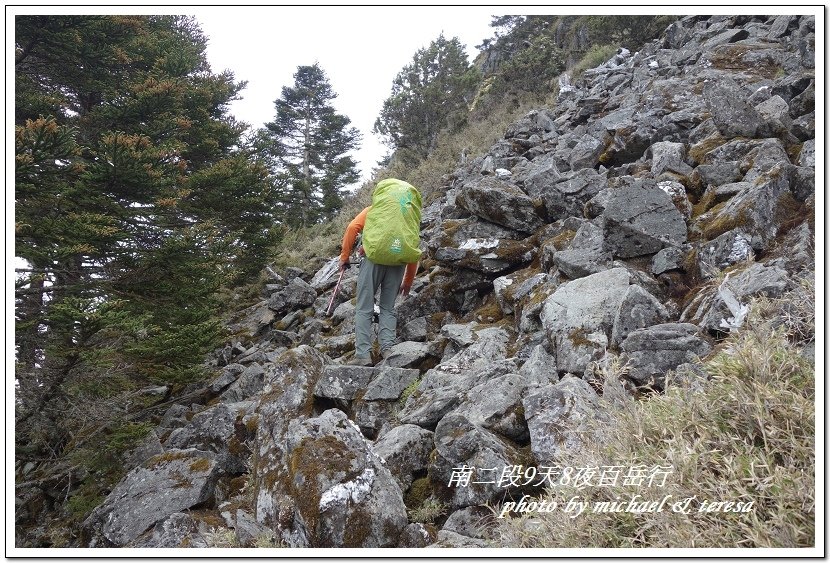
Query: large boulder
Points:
[639, 219]
[559, 419]
[344, 495]
[296, 295]
[500, 202]
[288, 395]
[579, 316]
[650, 353]
[405, 450]
[461, 443]
[167, 483]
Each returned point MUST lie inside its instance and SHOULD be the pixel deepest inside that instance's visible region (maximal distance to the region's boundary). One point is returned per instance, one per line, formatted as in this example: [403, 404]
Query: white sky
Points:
[361, 50]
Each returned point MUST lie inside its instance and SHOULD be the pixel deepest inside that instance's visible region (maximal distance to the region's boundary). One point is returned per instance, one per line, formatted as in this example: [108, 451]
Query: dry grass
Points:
[748, 435]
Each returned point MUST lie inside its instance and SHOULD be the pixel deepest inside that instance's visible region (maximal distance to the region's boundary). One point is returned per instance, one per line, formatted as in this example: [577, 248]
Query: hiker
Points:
[390, 252]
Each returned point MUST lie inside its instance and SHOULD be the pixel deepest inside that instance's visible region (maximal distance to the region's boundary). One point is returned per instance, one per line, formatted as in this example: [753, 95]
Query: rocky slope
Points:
[630, 222]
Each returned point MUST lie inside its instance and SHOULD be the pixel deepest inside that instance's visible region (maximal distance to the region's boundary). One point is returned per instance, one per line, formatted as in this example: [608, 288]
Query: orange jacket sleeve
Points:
[409, 274]
[354, 229]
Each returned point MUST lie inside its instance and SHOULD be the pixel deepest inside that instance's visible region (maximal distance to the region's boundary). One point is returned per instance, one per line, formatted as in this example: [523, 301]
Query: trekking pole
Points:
[334, 293]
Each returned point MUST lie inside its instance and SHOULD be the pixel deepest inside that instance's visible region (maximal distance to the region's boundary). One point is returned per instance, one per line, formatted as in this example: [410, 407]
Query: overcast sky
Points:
[361, 50]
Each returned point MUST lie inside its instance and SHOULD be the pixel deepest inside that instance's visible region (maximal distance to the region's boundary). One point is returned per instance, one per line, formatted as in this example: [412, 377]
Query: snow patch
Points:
[355, 490]
[478, 243]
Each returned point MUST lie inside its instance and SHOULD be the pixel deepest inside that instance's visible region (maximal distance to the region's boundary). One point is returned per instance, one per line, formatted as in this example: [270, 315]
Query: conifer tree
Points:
[133, 204]
[307, 146]
[428, 95]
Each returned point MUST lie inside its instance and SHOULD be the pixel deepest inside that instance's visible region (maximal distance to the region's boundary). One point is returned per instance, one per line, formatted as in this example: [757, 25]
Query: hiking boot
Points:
[357, 361]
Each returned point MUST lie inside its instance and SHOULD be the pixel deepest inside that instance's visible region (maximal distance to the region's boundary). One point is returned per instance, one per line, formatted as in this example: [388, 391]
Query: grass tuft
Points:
[747, 435]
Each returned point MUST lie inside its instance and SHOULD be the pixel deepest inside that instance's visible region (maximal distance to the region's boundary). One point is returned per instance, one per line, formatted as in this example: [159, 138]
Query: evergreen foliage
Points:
[429, 95]
[306, 148]
[133, 204]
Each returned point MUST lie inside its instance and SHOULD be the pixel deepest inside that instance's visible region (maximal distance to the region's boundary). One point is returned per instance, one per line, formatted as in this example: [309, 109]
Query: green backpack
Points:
[392, 233]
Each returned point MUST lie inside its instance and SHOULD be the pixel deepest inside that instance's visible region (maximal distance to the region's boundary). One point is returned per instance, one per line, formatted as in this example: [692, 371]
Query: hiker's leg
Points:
[367, 282]
[389, 286]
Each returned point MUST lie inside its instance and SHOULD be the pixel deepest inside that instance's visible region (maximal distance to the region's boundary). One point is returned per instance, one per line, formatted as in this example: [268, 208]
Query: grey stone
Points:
[296, 295]
[388, 383]
[459, 442]
[166, 484]
[726, 101]
[248, 384]
[409, 354]
[652, 352]
[580, 314]
[586, 254]
[667, 156]
[450, 539]
[728, 249]
[178, 530]
[496, 406]
[539, 369]
[558, 417]
[343, 382]
[640, 219]
[501, 203]
[586, 153]
[405, 450]
[352, 500]
[471, 521]
[638, 309]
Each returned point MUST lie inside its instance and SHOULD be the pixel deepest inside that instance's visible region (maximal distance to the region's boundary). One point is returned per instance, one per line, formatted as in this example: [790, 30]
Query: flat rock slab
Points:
[343, 382]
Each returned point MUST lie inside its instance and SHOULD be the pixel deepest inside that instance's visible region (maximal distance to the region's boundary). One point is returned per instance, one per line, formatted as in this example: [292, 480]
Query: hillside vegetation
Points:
[618, 276]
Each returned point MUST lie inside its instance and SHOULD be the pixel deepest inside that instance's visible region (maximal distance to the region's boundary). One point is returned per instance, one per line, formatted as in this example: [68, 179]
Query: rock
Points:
[539, 369]
[759, 211]
[652, 352]
[668, 157]
[345, 497]
[449, 539]
[586, 254]
[178, 530]
[716, 174]
[472, 522]
[728, 249]
[733, 116]
[410, 354]
[641, 219]
[326, 276]
[501, 203]
[568, 196]
[722, 308]
[460, 442]
[514, 289]
[417, 535]
[558, 418]
[775, 113]
[343, 382]
[388, 383]
[217, 429]
[405, 450]
[670, 258]
[497, 406]
[246, 385]
[288, 395]
[638, 309]
[168, 483]
[586, 153]
[579, 316]
[414, 330]
[296, 295]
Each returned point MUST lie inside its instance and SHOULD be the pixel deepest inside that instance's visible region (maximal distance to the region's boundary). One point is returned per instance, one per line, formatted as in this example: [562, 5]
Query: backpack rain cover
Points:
[392, 233]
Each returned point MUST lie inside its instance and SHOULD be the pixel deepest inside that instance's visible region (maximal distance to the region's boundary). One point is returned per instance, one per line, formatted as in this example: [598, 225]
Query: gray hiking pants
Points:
[370, 277]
